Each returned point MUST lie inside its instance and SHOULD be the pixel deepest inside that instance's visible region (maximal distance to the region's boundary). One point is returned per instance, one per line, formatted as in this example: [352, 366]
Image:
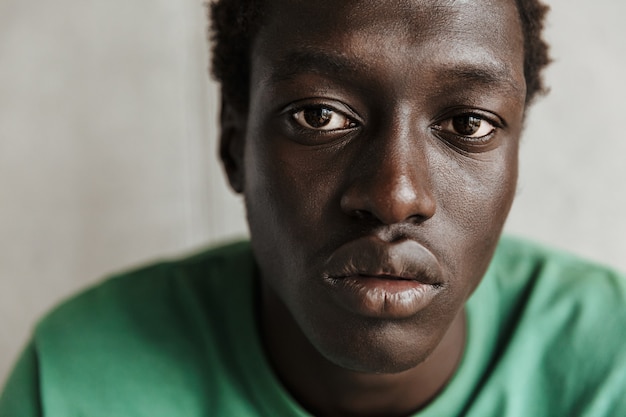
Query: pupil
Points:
[466, 125]
[319, 117]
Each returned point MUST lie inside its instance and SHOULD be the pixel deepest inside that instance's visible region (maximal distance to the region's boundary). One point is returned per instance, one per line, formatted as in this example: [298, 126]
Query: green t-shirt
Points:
[546, 337]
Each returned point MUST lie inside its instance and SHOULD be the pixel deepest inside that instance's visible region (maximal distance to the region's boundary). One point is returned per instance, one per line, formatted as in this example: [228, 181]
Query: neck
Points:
[324, 388]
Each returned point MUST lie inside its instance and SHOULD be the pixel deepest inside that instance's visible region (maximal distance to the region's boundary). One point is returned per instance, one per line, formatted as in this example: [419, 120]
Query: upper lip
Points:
[370, 256]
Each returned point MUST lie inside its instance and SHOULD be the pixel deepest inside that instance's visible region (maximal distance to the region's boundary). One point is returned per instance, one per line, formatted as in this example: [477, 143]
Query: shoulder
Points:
[561, 325]
[521, 264]
[141, 291]
[156, 323]
[557, 289]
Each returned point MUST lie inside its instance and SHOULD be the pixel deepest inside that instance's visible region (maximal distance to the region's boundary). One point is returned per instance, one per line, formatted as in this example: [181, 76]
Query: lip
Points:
[378, 279]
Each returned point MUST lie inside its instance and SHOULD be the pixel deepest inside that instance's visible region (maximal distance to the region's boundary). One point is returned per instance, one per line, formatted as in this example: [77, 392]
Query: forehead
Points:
[417, 17]
[379, 34]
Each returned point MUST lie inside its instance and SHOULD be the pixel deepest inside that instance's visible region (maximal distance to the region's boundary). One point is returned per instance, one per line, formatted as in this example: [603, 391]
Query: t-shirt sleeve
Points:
[20, 396]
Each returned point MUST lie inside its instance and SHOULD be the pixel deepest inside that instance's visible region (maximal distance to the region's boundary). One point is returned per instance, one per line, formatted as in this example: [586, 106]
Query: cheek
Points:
[288, 194]
[477, 194]
[474, 200]
[292, 181]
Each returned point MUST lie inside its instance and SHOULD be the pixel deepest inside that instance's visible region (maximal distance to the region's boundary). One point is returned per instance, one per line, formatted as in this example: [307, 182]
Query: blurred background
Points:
[107, 145]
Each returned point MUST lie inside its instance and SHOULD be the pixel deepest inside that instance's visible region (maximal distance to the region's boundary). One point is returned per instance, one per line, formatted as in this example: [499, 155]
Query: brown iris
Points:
[466, 125]
[318, 117]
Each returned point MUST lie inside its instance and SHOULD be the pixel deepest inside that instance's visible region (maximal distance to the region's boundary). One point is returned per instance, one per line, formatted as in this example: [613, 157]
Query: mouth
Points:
[377, 279]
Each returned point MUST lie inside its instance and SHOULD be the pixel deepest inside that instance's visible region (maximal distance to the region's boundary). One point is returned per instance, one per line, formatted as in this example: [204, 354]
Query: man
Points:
[375, 144]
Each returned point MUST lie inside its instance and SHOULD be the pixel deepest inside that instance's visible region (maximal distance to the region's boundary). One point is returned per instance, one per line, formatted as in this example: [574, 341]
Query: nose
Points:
[392, 183]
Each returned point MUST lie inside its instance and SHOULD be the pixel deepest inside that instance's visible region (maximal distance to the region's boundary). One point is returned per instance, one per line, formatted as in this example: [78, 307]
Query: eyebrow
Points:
[321, 62]
[488, 75]
[311, 61]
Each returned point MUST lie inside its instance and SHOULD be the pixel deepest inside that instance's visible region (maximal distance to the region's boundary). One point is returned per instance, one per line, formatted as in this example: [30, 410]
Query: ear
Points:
[232, 141]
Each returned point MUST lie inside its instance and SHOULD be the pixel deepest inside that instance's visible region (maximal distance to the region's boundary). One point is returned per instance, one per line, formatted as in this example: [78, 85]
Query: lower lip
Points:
[381, 297]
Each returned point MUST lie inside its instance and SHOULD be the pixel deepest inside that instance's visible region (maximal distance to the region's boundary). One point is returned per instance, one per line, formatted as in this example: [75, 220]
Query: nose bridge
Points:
[393, 184]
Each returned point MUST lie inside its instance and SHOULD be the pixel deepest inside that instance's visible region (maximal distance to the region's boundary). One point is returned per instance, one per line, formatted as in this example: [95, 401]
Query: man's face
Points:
[379, 165]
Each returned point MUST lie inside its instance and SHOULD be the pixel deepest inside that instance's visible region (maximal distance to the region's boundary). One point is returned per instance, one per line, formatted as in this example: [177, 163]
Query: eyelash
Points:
[299, 118]
[495, 125]
[456, 138]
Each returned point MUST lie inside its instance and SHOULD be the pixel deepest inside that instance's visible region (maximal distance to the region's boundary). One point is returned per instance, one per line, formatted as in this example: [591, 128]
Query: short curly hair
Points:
[234, 23]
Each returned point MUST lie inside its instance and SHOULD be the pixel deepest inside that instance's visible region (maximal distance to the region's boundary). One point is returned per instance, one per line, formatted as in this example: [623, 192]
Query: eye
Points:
[322, 118]
[469, 126]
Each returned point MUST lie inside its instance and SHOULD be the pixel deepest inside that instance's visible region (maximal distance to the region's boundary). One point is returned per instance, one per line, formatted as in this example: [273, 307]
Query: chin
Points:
[381, 349]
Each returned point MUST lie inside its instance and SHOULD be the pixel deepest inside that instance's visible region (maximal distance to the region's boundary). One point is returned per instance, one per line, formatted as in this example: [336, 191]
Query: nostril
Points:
[362, 214]
[417, 219]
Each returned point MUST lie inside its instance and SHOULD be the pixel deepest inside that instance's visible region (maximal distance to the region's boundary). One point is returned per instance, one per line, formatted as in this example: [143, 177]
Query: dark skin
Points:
[378, 162]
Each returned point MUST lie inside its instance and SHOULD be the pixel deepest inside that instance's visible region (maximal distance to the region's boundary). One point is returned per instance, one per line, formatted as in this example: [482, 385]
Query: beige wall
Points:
[107, 129]
[572, 190]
